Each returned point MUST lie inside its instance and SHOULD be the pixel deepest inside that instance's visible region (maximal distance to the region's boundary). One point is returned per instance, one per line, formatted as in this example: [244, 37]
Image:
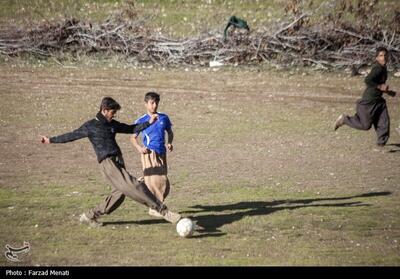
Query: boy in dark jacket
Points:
[371, 109]
[101, 132]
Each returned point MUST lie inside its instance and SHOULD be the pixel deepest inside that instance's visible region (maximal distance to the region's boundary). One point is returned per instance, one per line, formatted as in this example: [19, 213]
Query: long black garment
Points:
[101, 134]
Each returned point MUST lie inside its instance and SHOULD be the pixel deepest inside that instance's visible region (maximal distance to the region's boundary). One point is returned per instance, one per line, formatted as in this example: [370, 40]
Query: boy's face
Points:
[382, 58]
[151, 106]
[109, 114]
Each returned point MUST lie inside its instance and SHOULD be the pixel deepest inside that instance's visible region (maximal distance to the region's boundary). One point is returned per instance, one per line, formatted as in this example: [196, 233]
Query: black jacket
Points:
[101, 134]
[378, 75]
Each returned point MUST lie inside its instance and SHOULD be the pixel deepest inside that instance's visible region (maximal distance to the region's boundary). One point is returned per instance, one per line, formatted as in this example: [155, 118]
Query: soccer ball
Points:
[185, 227]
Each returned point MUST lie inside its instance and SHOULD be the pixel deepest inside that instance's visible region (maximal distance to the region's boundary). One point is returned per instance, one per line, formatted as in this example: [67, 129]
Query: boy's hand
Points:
[153, 118]
[44, 139]
[383, 87]
[143, 150]
[170, 147]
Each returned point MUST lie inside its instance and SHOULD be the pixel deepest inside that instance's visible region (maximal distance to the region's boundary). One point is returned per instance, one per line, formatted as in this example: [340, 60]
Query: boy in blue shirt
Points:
[153, 152]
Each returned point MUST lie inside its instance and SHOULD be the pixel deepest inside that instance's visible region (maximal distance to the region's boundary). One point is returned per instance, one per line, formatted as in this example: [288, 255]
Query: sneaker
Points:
[380, 148]
[339, 121]
[170, 216]
[91, 222]
[155, 213]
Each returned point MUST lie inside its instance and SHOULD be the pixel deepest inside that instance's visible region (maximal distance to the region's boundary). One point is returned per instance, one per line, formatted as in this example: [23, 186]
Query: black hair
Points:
[152, 96]
[379, 49]
[109, 103]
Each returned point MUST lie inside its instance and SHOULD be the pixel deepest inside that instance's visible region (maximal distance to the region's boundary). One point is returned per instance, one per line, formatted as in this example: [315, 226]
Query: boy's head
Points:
[109, 108]
[381, 55]
[151, 100]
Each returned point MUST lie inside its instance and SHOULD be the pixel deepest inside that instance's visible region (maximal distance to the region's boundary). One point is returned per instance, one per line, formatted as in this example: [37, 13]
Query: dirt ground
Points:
[256, 163]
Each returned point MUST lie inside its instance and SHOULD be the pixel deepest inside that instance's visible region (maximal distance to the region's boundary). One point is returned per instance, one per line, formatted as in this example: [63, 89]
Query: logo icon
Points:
[12, 253]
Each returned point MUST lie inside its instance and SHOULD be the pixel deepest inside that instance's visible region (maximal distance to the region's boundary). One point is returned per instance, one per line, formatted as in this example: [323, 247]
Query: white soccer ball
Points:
[185, 227]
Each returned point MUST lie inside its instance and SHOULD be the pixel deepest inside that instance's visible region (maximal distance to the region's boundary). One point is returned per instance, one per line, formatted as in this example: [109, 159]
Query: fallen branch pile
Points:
[325, 46]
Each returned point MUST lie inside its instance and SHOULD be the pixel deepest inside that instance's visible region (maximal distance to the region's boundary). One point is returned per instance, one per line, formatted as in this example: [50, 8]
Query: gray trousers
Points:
[123, 184]
[368, 114]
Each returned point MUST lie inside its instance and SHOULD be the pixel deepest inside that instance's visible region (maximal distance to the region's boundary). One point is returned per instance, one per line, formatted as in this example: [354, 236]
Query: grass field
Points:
[256, 164]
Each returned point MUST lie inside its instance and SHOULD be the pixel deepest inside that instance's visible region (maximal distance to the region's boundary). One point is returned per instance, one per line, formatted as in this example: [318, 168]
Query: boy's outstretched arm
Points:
[135, 128]
[79, 133]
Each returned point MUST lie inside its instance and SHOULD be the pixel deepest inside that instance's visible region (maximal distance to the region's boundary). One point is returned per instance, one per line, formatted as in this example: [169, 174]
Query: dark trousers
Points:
[368, 114]
[123, 184]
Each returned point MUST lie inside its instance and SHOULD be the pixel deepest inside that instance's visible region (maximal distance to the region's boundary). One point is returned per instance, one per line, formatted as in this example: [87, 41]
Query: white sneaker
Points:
[155, 213]
[339, 122]
[91, 222]
[380, 148]
[171, 217]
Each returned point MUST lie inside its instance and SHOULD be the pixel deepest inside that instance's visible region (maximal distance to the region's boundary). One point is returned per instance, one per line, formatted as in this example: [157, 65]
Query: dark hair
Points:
[379, 49]
[152, 96]
[109, 103]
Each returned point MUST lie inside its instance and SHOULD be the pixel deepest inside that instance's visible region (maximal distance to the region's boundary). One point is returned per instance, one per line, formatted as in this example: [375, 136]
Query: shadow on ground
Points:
[209, 225]
[139, 222]
[393, 150]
